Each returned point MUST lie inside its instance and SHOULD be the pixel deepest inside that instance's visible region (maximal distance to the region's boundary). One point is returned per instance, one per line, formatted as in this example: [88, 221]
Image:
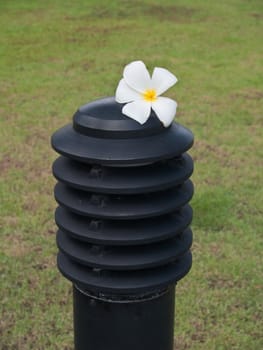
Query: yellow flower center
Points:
[150, 95]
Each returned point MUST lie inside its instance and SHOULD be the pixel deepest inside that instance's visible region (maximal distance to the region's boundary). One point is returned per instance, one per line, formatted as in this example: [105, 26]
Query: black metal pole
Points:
[123, 216]
[140, 323]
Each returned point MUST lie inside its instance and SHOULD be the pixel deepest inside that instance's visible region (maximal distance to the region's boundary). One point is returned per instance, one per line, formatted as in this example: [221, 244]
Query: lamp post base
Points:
[118, 323]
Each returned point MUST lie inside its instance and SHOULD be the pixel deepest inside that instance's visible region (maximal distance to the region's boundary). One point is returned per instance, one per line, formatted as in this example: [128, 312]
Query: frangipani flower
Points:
[142, 92]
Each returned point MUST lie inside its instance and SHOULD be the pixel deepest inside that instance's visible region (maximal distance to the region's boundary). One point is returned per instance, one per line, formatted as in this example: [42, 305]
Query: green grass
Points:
[57, 55]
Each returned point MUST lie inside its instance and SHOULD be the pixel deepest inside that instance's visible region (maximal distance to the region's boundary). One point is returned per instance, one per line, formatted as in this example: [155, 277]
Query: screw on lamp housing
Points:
[123, 217]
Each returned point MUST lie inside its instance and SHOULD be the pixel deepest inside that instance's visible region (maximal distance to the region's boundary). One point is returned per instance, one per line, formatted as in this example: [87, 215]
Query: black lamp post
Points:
[124, 238]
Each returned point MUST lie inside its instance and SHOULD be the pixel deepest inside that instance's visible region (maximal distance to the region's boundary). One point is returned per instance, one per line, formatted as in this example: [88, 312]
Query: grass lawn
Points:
[57, 55]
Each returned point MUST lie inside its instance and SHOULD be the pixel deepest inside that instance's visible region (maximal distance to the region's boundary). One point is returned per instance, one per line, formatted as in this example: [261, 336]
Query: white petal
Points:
[165, 109]
[137, 76]
[126, 94]
[162, 80]
[138, 110]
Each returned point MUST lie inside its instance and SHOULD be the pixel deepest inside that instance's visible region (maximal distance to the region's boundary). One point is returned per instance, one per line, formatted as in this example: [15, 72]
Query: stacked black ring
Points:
[123, 191]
